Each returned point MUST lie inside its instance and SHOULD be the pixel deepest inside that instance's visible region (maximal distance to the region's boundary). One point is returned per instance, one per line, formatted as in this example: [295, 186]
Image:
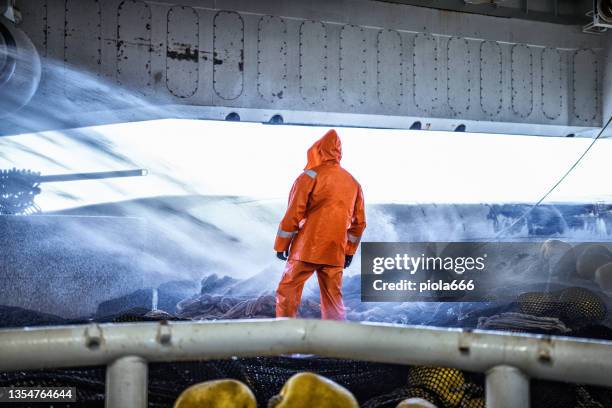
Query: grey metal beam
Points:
[126, 383]
[507, 387]
[299, 117]
[552, 358]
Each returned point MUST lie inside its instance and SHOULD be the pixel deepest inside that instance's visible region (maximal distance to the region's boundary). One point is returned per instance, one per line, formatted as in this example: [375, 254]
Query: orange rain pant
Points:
[289, 292]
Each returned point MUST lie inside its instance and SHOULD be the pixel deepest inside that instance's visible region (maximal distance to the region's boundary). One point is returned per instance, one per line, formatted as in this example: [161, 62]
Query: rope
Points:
[572, 167]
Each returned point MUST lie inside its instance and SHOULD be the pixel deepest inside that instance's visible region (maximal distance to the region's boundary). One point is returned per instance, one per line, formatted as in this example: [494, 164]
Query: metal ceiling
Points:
[553, 11]
[342, 62]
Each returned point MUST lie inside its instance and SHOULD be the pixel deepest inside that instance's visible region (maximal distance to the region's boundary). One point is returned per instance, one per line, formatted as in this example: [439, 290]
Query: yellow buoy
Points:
[217, 394]
[308, 390]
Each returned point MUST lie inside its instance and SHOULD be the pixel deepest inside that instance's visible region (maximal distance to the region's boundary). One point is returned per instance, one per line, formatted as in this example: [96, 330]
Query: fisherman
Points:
[320, 231]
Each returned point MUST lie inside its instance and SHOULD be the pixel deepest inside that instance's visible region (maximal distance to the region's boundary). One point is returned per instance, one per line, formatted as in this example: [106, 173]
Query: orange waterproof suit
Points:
[324, 222]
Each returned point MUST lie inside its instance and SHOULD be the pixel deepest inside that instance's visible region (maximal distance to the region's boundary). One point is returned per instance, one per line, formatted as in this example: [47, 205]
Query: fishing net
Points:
[264, 375]
[374, 385]
[574, 306]
[572, 311]
[443, 387]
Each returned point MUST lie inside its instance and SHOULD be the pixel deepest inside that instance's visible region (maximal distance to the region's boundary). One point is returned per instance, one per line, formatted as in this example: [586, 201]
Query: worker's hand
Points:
[347, 260]
[282, 255]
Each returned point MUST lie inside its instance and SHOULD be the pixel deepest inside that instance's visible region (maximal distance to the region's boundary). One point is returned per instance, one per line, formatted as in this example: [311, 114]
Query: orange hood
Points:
[327, 148]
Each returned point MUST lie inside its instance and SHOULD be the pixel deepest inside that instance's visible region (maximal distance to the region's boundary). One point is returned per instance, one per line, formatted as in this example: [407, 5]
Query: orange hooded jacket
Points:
[325, 217]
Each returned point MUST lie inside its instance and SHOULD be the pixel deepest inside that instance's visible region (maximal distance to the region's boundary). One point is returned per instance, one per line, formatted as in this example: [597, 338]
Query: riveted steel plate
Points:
[182, 51]
[585, 85]
[373, 59]
[458, 75]
[82, 34]
[552, 83]
[490, 78]
[313, 75]
[389, 68]
[228, 54]
[353, 65]
[521, 80]
[34, 23]
[272, 58]
[134, 44]
[425, 72]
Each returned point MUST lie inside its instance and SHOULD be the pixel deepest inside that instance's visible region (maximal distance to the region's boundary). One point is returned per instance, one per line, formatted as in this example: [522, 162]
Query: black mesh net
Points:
[574, 306]
[581, 307]
[444, 387]
[538, 304]
[264, 375]
[578, 311]
[374, 385]
[547, 394]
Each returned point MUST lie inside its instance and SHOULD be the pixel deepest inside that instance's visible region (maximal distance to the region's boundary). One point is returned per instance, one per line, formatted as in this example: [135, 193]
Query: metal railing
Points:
[509, 361]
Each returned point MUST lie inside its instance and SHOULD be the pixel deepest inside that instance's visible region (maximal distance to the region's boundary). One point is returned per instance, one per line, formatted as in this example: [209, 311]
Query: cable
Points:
[573, 166]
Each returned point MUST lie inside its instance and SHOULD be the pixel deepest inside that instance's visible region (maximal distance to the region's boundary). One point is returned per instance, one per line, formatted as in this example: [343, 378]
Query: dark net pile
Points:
[571, 311]
[574, 306]
[264, 375]
[444, 387]
[374, 385]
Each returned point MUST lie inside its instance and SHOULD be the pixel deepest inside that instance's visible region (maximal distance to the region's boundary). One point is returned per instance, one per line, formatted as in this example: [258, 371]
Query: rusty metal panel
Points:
[34, 23]
[552, 83]
[313, 62]
[586, 85]
[134, 44]
[182, 51]
[490, 78]
[82, 34]
[228, 54]
[389, 68]
[353, 65]
[425, 71]
[271, 58]
[521, 80]
[458, 75]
